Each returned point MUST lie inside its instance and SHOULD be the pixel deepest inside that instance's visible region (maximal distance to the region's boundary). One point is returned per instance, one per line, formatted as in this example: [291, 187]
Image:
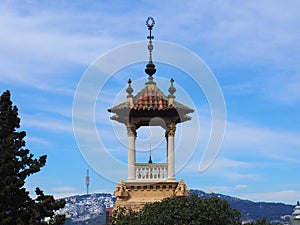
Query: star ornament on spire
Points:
[150, 67]
[150, 23]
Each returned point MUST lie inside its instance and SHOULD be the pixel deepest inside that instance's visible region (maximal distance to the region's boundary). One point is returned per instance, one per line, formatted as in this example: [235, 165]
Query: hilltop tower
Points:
[149, 182]
[87, 181]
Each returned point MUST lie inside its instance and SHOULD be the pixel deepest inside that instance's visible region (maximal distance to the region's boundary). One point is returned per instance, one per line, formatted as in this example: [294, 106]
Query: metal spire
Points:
[150, 23]
[150, 67]
[150, 160]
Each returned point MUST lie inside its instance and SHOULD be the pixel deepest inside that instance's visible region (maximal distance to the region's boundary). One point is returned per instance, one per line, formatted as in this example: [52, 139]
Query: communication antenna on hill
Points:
[87, 181]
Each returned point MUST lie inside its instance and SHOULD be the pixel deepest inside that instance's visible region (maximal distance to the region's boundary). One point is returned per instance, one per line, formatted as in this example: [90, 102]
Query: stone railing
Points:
[153, 171]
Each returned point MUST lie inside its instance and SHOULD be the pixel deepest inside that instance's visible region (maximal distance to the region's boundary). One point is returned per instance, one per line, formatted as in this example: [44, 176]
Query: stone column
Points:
[166, 135]
[131, 132]
[170, 133]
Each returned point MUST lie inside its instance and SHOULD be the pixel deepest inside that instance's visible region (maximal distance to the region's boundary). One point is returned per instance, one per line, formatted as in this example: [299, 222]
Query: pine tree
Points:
[16, 164]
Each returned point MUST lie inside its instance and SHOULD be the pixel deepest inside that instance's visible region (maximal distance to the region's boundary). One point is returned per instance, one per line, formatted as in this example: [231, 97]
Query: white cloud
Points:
[233, 170]
[53, 37]
[288, 196]
[64, 111]
[223, 189]
[47, 123]
[47, 47]
[243, 32]
[247, 140]
[261, 141]
[284, 88]
[40, 46]
[31, 139]
[63, 189]
[240, 186]
[239, 89]
[58, 195]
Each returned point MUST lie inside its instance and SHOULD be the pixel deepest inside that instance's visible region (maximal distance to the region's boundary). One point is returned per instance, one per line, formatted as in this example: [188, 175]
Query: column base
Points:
[135, 194]
[130, 179]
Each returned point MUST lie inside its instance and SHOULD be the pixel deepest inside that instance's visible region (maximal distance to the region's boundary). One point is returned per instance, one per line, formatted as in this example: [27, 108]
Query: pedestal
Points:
[134, 195]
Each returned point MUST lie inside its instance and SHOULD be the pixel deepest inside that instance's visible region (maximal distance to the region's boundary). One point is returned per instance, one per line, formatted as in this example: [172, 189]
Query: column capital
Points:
[170, 129]
[131, 130]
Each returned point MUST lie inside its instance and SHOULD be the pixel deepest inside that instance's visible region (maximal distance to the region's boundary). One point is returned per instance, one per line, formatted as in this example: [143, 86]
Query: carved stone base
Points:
[135, 194]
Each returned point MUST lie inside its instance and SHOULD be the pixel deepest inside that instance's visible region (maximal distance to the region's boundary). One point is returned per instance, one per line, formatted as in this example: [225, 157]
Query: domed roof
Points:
[150, 98]
[150, 102]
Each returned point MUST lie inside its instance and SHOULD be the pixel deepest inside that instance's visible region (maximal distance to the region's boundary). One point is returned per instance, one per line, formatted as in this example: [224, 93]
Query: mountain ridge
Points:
[91, 209]
[276, 212]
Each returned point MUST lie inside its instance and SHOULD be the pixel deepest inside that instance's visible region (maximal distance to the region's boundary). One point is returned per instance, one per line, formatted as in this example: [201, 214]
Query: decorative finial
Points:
[171, 89]
[150, 23]
[150, 67]
[150, 160]
[129, 90]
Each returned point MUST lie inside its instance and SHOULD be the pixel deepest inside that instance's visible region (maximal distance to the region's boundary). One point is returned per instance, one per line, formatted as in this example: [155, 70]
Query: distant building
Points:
[108, 214]
[295, 218]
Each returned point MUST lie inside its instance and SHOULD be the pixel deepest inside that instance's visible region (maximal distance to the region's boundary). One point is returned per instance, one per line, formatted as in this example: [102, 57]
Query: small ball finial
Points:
[171, 89]
[150, 69]
[129, 90]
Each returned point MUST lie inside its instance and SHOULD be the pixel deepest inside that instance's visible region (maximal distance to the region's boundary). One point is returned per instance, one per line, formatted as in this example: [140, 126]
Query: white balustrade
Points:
[151, 171]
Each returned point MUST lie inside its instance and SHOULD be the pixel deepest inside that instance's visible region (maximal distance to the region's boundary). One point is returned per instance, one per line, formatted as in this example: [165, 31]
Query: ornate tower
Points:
[149, 182]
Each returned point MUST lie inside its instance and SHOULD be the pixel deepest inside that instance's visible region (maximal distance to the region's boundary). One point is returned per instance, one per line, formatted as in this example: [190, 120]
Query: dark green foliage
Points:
[263, 221]
[180, 211]
[45, 207]
[254, 210]
[16, 164]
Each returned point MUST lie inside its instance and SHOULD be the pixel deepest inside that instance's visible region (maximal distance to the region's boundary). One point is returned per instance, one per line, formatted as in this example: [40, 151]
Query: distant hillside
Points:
[87, 209]
[252, 211]
[90, 209]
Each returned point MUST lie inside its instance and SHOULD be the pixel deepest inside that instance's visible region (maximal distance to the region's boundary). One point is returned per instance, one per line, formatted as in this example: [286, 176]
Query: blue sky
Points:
[252, 47]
